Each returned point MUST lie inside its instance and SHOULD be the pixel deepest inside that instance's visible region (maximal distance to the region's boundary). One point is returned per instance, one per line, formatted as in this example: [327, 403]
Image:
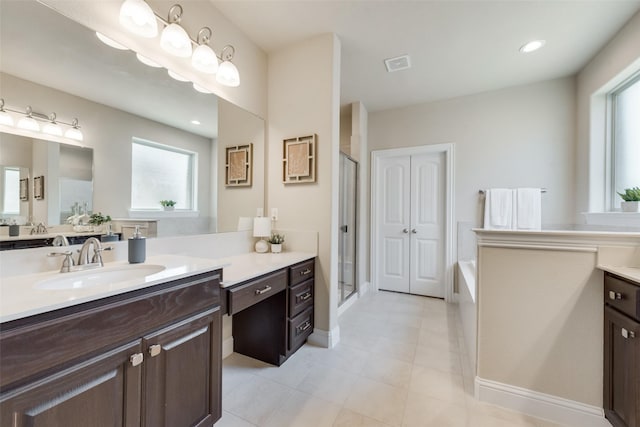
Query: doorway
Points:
[348, 230]
[412, 220]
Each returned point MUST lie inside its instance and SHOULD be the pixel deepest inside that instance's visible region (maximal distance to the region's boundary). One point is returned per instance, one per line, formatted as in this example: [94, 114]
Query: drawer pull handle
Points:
[304, 327]
[136, 359]
[305, 272]
[628, 334]
[263, 290]
[305, 296]
[615, 295]
[155, 350]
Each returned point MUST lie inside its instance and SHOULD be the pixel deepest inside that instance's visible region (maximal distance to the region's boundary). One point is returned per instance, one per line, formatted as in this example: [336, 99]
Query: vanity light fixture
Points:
[174, 38]
[52, 128]
[138, 17]
[5, 118]
[177, 76]
[532, 46]
[228, 74]
[201, 89]
[74, 131]
[28, 122]
[204, 59]
[110, 42]
[147, 61]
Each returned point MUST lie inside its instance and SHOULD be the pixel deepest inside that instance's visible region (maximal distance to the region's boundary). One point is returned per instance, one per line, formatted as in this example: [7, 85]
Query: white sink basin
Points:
[98, 276]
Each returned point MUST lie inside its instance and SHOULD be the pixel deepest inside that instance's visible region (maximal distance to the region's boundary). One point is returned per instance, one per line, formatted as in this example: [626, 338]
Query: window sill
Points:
[159, 214]
[613, 219]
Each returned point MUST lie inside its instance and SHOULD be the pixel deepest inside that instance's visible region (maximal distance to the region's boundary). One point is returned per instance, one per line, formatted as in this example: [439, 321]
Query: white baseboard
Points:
[326, 339]
[347, 304]
[227, 347]
[541, 405]
[365, 287]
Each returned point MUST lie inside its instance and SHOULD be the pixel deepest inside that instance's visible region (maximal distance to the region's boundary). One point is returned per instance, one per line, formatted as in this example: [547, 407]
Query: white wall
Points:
[615, 62]
[304, 83]
[516, 137]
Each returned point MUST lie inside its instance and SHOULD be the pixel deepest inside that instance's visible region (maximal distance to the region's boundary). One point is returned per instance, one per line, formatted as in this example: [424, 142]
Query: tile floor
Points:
[400, 362]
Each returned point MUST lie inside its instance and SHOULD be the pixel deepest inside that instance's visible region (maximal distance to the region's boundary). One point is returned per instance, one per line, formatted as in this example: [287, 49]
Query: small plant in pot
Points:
[276, 241]
[631, 197]
[97, 219]
[168, 205]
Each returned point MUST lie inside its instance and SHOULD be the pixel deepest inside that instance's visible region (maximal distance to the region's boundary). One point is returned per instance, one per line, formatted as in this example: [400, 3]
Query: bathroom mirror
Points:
[59, 65]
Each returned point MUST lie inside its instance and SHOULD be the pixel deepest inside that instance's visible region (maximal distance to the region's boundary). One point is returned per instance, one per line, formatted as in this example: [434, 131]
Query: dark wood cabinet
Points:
[622, 352]
[273, 314]
[151, 357]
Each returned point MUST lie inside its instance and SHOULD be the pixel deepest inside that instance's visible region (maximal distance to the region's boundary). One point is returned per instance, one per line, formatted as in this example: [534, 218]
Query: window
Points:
[160, 172]
[625, 138]
[11, 190]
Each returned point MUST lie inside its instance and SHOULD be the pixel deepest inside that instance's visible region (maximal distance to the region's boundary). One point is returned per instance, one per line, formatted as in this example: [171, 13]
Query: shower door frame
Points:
[341, 298]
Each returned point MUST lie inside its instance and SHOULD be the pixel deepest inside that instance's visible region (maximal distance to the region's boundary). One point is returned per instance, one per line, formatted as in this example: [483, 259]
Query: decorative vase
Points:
[630, 206]
[276, 248]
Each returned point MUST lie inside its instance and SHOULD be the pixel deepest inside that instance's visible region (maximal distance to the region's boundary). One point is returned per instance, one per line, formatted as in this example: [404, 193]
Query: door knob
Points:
[405, 230]
[413, 230]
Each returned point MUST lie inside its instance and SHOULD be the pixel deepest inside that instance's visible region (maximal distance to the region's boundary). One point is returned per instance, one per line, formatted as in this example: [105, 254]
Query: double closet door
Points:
[409, 203]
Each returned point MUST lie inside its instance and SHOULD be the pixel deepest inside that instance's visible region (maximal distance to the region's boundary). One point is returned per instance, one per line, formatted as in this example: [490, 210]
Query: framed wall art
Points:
[239, 165]
[299, 160]
[38, 187]
[24, 189]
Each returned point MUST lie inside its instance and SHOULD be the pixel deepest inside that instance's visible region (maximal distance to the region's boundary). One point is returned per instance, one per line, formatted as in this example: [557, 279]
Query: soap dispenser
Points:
[137, 248]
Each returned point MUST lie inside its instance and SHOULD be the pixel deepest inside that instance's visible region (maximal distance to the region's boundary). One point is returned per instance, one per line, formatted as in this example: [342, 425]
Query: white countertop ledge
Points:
[19, 298]
[248, 266]
[629, 273]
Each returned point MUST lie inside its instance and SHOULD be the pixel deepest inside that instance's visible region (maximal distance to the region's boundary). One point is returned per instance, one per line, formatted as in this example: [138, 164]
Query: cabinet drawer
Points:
[302, 272]
[300, 297]
[622, 295]
[243, 296]
[300, 327]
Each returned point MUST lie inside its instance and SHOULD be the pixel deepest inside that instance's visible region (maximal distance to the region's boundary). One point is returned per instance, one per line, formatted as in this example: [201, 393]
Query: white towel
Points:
[528, 209]
[498, 209]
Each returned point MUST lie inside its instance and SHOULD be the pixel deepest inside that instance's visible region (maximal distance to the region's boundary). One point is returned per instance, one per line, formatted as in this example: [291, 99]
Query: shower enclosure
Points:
[348, 228]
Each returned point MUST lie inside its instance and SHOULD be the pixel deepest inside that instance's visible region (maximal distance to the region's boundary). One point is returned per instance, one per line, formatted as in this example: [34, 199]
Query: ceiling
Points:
[456, 47]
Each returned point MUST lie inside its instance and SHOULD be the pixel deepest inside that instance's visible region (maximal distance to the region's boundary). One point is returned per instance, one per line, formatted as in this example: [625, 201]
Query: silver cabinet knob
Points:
[136, 359]
[405, 230]
[627, 334]
[155, 350]
[615, 295]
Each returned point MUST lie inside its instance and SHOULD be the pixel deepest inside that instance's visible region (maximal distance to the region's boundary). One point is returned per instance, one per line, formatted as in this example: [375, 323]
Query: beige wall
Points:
[304, 82]
[540, 316]
[515, 137]
[238, 127]
[615, 62]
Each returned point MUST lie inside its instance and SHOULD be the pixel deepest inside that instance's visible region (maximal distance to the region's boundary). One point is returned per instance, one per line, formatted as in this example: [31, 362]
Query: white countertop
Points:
[7, 238]
[248, 266]
[630, 273]
[19, 298]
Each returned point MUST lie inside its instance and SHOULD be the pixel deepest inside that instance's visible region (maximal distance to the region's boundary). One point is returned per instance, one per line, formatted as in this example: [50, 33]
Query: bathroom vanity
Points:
[149, 355]
[621, 350]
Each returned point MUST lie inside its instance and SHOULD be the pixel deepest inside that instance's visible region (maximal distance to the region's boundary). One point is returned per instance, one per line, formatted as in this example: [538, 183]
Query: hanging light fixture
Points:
[74, 131]
[5, 118]
[204, 58]
[227, 72]
[28, 122]
[137, 17]
[52, 128]
[174, 38]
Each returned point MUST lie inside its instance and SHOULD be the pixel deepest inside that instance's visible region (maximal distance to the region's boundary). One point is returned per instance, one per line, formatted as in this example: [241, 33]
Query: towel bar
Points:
[542, 190]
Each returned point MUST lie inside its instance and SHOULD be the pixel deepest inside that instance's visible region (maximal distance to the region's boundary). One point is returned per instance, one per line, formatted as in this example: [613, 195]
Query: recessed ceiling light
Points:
[195, 122]
[532, 46]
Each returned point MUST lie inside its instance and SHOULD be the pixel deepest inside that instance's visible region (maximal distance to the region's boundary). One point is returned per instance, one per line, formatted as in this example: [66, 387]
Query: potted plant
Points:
[168, 205]
[276, 241]
[97, 219]
[631, 197]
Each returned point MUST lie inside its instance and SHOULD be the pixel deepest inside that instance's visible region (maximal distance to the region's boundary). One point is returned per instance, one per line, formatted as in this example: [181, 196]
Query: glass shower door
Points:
[348, 214]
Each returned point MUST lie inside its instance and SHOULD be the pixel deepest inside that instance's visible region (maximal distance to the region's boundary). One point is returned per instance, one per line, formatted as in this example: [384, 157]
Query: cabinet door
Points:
[182, 382]
[101, 391]
[622, 369]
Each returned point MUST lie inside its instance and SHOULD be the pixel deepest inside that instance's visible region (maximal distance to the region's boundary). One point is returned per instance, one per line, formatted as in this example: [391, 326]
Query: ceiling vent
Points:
[398, 63]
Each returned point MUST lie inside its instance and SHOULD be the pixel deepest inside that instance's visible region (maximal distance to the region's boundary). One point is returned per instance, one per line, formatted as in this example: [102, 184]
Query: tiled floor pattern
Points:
[401, 361]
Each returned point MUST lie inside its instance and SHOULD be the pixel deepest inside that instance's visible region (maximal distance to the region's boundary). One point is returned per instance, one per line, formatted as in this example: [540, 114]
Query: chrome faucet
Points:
[68, 263]
[91, 243]
[60, 240]
[39, 229]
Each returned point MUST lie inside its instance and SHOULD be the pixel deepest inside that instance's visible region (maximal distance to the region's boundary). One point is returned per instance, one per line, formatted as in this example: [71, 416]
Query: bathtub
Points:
[468, 309]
